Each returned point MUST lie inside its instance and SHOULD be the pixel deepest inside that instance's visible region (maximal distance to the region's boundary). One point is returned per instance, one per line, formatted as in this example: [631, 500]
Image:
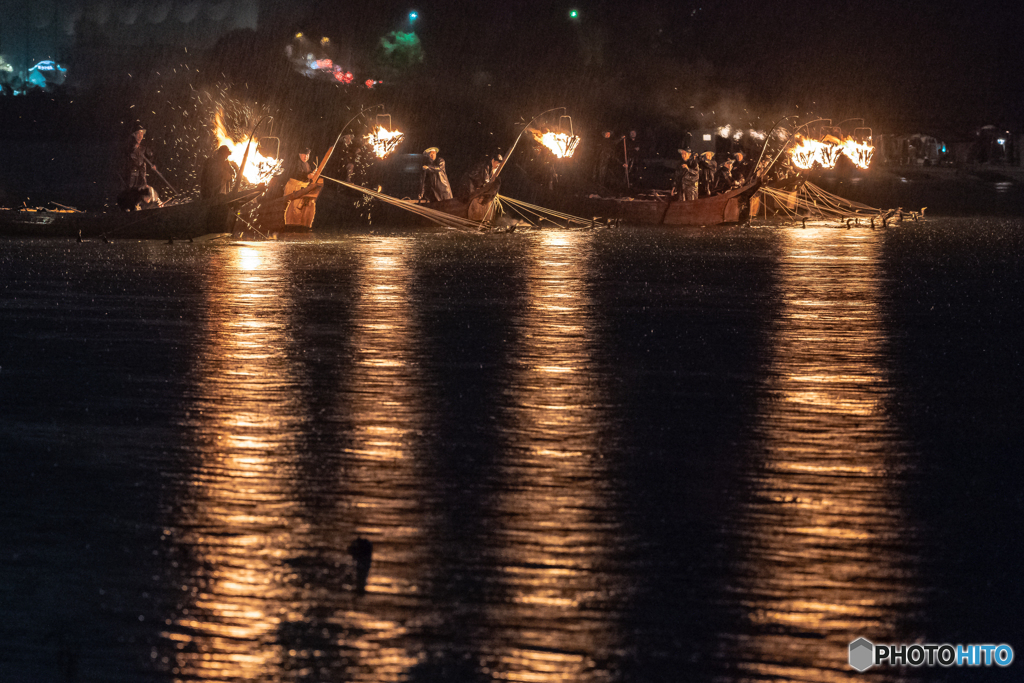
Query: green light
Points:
[573, 14]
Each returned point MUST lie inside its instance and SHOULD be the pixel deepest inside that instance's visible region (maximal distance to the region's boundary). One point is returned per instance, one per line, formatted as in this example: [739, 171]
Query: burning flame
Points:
[826, 153]
[561, 145]
[860, 153]
[384, 141]
[258, 168]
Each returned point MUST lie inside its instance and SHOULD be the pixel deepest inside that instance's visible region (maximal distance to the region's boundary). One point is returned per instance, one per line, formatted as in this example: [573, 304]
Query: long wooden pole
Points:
[509, 153]
[245, 156]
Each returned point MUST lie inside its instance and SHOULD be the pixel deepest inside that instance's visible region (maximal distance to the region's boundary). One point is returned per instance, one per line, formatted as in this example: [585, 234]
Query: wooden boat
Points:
[179, 221]
[729, 207]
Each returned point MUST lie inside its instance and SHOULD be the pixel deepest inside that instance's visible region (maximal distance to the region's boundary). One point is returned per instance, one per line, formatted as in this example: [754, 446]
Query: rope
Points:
[523, 209]
[439, 217]
[809, 198]
[542, 212]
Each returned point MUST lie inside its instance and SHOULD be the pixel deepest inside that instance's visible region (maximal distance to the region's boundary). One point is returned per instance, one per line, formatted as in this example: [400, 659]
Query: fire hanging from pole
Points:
[561, 145]
[384, 141]
[826, 153]
[258, 168]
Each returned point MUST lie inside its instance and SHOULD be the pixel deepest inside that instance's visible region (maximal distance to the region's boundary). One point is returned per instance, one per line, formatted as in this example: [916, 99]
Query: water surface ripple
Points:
[614, 455]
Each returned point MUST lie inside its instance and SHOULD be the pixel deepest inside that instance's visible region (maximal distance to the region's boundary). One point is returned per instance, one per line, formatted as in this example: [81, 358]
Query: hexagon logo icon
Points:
[862, 654]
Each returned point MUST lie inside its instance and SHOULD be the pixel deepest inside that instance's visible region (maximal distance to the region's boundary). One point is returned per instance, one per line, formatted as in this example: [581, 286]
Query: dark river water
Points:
[622, 455]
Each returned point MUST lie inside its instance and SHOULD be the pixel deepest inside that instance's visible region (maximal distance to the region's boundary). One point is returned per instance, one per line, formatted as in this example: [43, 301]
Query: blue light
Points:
[413, 16]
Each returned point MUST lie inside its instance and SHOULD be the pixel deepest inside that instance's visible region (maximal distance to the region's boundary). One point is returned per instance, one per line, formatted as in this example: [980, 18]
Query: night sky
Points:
[912, 67]
[899, 64]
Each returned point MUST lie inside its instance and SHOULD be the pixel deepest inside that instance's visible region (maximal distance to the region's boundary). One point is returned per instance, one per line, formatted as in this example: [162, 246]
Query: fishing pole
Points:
[509, 154]
[245, 156]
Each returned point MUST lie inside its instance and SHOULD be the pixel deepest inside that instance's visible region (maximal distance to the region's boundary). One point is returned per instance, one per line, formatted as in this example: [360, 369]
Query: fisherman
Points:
[740, 168]
[603, 164]
[217, 174]
[434, 185]
[298, 168]
[349, 155]
[138, 158]
[301, 207]
[708, 168]
[633, 159]
[723, 177]
[481, 174]
[684, 184]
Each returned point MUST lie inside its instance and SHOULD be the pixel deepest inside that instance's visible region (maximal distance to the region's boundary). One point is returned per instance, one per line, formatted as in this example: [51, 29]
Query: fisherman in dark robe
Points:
[217, 174]
[138, 193]
[708, 168]
[138, 158]
[740, 168]
[604, 163]
[723, 177]
[349, 155]
[481, 174]
[434, 185]
[684, 185]
[633, 159]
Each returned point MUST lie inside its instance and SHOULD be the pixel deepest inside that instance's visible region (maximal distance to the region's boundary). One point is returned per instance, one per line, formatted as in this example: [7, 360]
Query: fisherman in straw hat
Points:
[434, 185]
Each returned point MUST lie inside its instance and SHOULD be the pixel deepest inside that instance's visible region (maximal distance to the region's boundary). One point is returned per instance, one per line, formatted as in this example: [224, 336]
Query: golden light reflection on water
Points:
[236, 520]
[383, 483]
[826, 543]
[268, 590]
[554, 522]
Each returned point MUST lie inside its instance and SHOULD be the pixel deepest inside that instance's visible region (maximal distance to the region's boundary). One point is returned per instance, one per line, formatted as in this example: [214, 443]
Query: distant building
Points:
[84, 34]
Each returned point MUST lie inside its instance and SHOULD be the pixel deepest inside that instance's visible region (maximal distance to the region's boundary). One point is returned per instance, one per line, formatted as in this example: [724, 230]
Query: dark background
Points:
[481, 70]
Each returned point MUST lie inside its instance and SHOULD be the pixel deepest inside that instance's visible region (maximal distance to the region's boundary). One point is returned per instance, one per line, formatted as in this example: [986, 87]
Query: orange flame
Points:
[860, 153]
[826, 153]
[384, 141]
[258, 168]
[810, 152]
[561, 145]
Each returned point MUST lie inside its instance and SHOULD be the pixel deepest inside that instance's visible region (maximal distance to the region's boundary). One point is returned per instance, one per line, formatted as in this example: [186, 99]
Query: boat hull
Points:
[728, 207]
[181, 221]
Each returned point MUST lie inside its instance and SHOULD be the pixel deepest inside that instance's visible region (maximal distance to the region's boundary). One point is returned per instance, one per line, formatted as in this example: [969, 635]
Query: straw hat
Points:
[428, 150]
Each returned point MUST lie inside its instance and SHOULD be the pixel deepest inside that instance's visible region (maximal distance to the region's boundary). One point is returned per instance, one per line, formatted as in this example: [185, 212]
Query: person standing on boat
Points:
[740, 168]
[138, 158]
[633, 153]
[217, 174]
[481, 174]
[434, 185]
[348, 156]
[708, 169]
[298, 168]
[723, 177]
[604, 164]
[685, 182]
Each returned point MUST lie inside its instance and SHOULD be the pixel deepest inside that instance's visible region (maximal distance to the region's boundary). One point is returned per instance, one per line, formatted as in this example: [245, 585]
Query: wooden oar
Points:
[161, 176]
